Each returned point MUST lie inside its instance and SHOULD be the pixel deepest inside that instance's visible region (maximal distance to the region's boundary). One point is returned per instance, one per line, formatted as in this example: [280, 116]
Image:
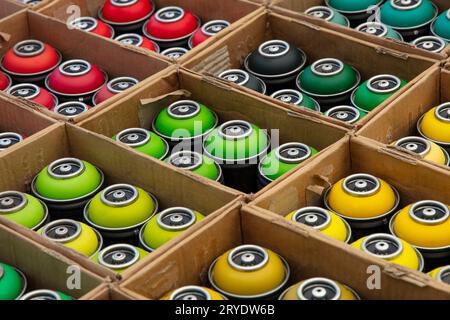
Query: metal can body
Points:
[319, 289]
[249, 272]
[435, 125]
[167, 225]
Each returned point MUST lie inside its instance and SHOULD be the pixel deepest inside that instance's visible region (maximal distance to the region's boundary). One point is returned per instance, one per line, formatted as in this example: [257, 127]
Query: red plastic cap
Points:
[76, 77]
[126, 11]
[171, 23]
[31, 57]
[5, 81]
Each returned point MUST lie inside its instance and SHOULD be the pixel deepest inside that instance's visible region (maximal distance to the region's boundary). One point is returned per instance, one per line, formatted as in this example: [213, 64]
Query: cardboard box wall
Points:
[400, 119]
[309, 254]
[295, 8]
[22, 120]
[119, 165]
[140, 108]
[115, 60]
[8, 8]
[369, 59]
[106, 292]
[44, 267]
[234, 11]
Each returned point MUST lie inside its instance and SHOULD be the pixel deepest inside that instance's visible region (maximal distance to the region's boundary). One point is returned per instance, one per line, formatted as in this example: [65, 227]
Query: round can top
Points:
[188, 160]
[176, 218]
[319, 289]
[63, 231]
[8, 139]
[84, 23]
[406, 4]
[24, 90]
[237, 76]
[175, 53]
[134, 137]
[120, 84]
[321, 12]
[170, 14]
[444, 275]
[374, 28]
[417, 145]
[75, 67]
[132, 39]
[184, 109]
[66, 168]
[12, 201]
[248, 258]
[382, 245]
[327, 67]
[443, 112]
[212, 28]
[123, 3]
[429, 212]
[293, 152]
[361, 185]
[71, 109]
[119, 195]
[29, 48]
[315, 217]
[344, 113]
[118, 256]
[42, 294]
[235, 130]
[274, 48]
[384, 83]
[430, 43]
[289, 96]
[193, 293]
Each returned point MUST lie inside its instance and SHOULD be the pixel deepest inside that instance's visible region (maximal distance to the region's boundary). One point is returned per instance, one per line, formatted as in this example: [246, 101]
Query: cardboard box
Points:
[317, 42]
[296, 8]
[308, 253]
[400, 119]
[44, 267]
[22, 120]
[234, 11]
[35, 7]
[8, 8]
[140, 108]
[115, 60]
[119, 165]
[106, 292]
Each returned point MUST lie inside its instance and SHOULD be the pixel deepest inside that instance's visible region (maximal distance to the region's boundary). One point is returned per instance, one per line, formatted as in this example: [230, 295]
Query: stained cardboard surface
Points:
[317, 42]
[76, 44]
[170, 187]
[43, 267]
[107, 292]
[308, 255]
[8, 8]
[295, 8]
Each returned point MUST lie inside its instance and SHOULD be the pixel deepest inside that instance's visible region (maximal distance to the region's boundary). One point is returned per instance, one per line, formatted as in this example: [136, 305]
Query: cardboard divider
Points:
[140, 108]
[75, 44]
[400, 119]
[296, 8]
[234, 11]
[171, 188]
[106, 292]
[9, 7]
[369, 58]
[44, 267]
[309, 254]
[22, 120]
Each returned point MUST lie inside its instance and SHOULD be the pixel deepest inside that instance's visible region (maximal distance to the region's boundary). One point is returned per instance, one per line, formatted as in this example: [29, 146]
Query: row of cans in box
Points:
[418, 21]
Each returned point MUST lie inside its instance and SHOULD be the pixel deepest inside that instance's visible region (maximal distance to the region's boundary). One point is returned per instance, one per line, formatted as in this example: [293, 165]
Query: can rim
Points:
[381, 77]
[19, 137]
[428, 39]
[311, 210]
[63, 161]
[310, 12]
[244, 248]
[144, 31]
[268, 76]
[198, 158]
[271, 43]
[132, 80]
[386, 238]
[361, 176]
[55, 223]
[405, 4]
[212, 23]
[373, 24]
[123, 4]
[430, 203]
[169, 9]
[419, 129]
[117, 190]
[121, 38]
[100, 15]
[78, 20]
[354, 87]
[358, 220]
[353, 12]
[445, 269]
[58, 108]
[32, 295]
[313, 281]
[344, 108]
[109, 249]
[412, 140]
[278, 95]
[101, 228]
[137, 130]
[293, 144]
[72, 62]
[187, 289]
[230, 72]
[181, 103]
[269, 293]
[19, 86]
[18, 207]
[170, 52]
[192, 218]
[242, 136]
[29, 41]
[34, 191]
